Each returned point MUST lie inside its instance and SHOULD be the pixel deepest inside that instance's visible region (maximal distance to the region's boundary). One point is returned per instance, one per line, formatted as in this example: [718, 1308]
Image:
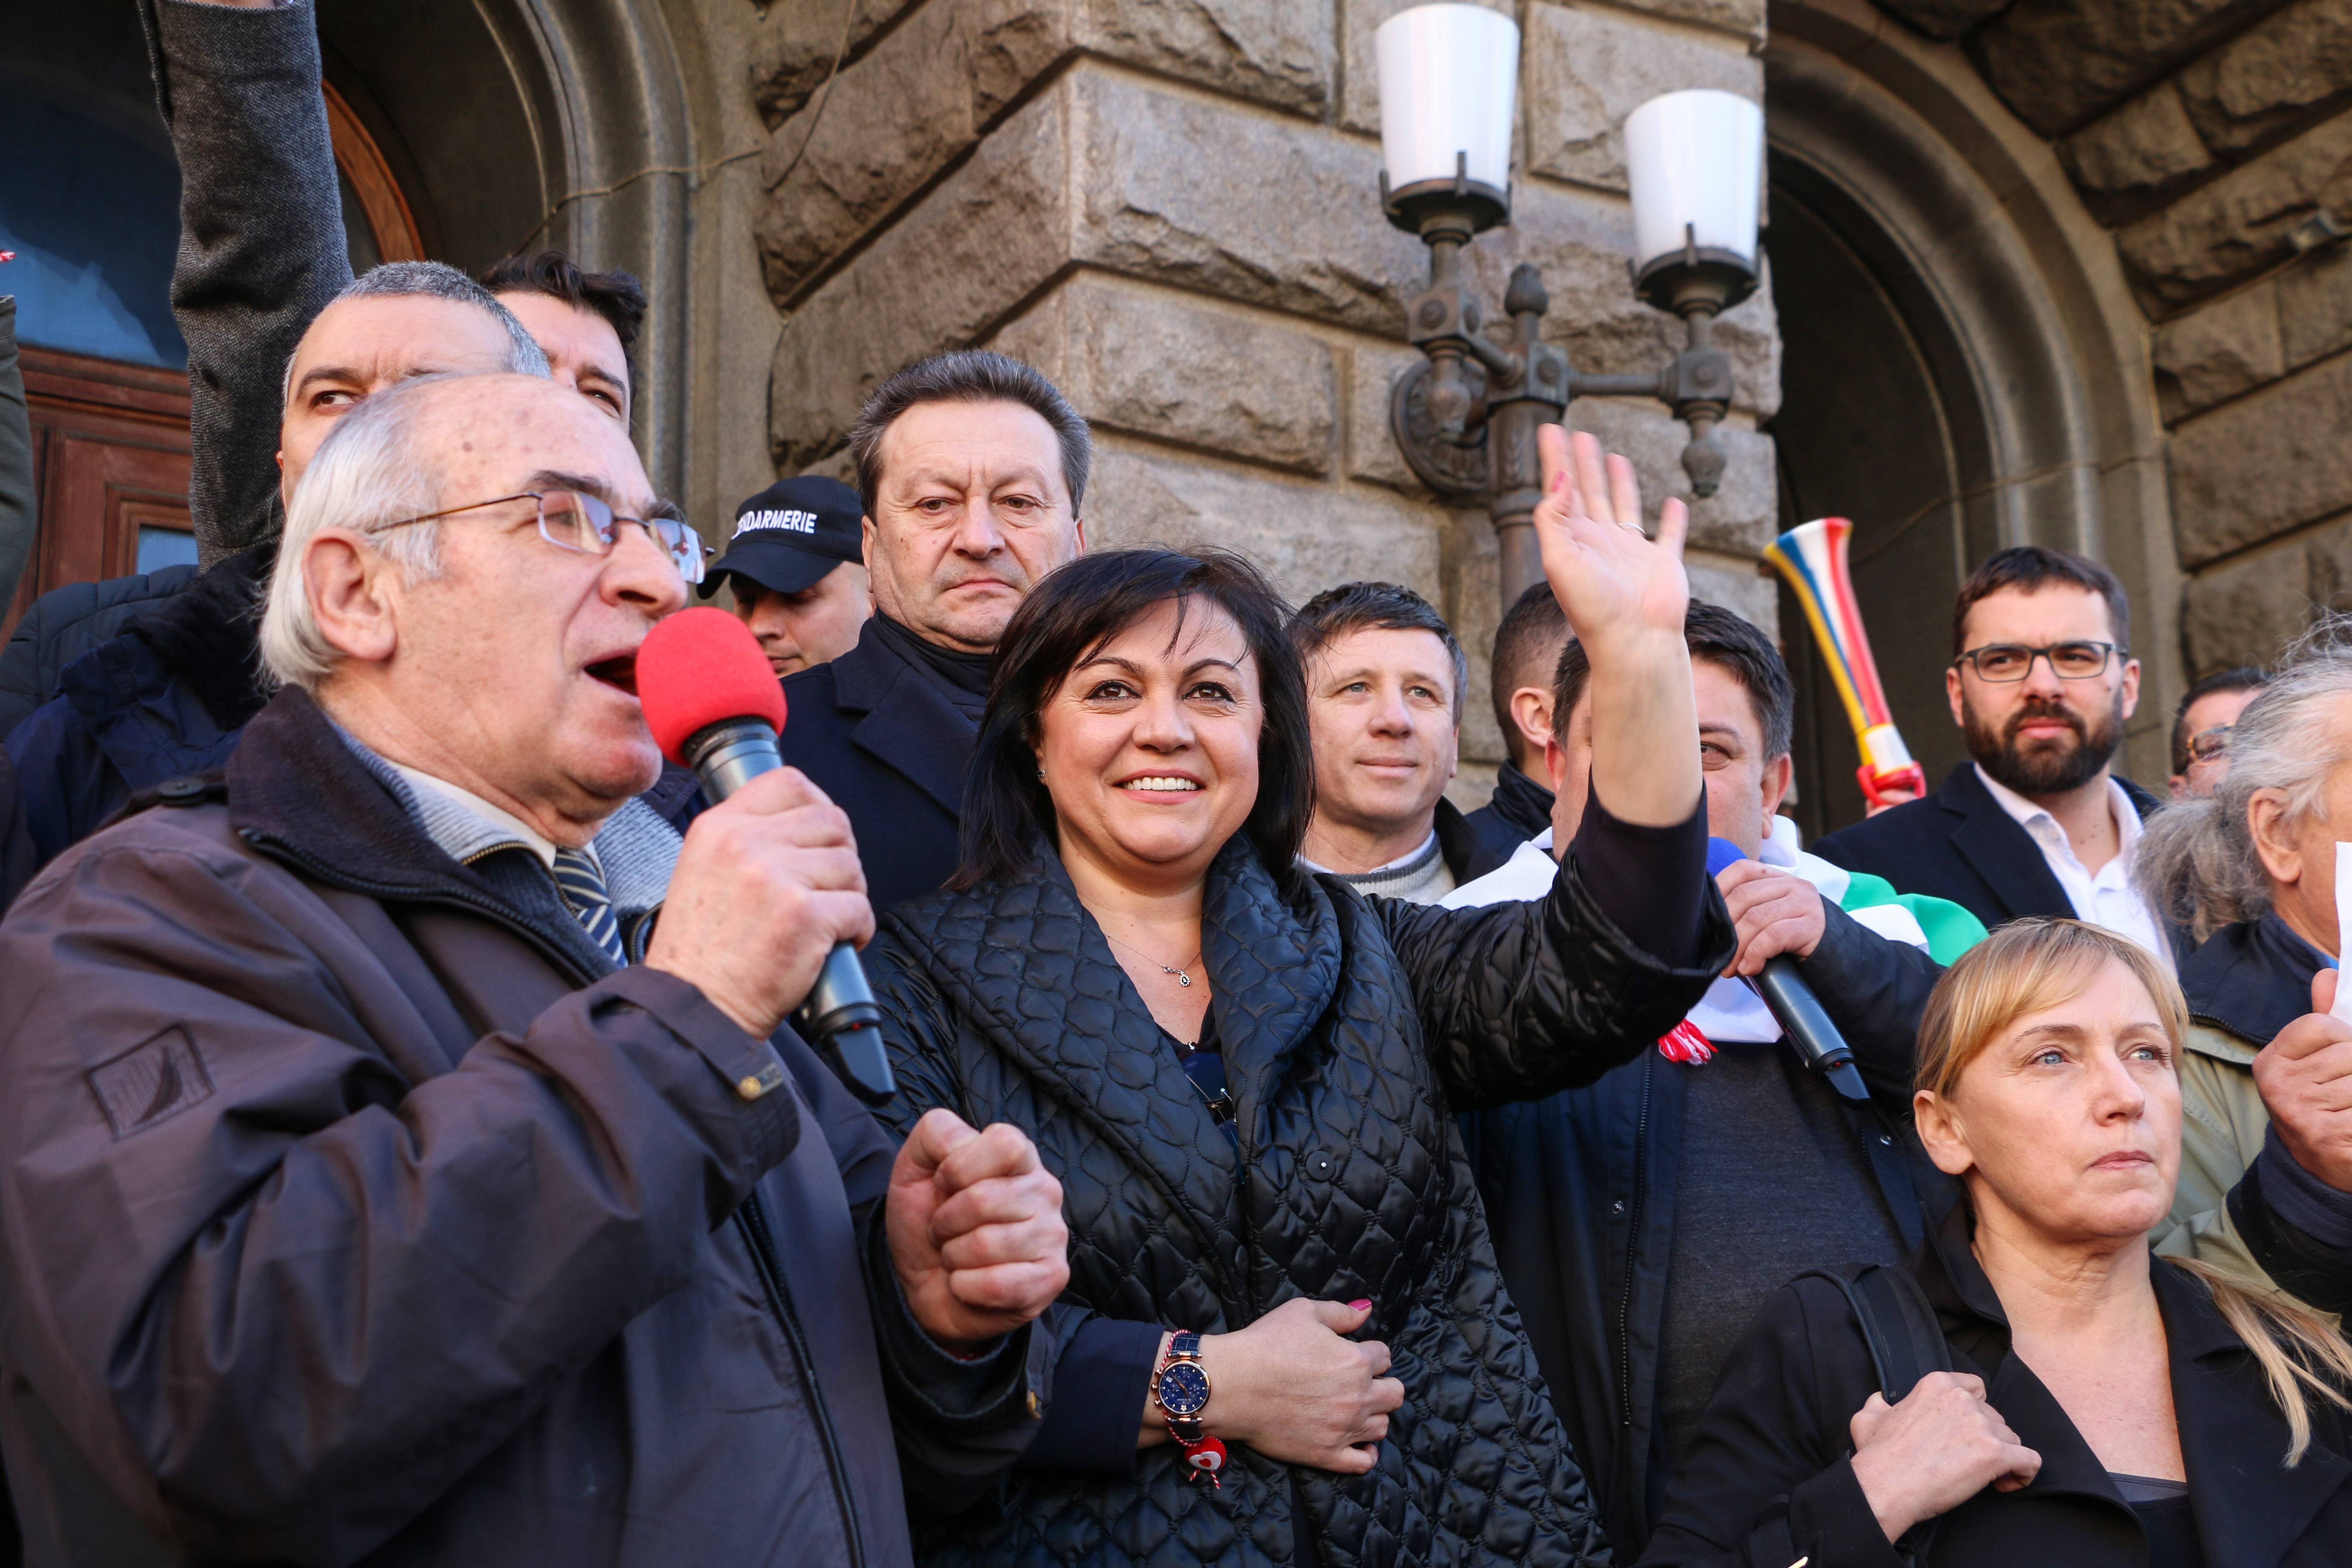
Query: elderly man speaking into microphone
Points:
[404, 1159]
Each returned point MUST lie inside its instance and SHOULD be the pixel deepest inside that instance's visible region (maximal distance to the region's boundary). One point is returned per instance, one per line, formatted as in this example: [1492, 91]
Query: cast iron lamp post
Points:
[1465, 418]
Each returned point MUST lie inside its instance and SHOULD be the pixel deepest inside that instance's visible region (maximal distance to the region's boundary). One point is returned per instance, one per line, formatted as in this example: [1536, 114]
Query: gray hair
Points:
[369, 474]
[2197, 864]
[434, 280]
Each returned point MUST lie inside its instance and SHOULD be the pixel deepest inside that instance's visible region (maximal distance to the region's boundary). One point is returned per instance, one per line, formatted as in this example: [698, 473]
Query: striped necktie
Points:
[582, 886]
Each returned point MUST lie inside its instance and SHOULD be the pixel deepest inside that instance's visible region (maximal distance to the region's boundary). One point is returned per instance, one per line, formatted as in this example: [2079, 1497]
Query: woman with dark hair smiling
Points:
[1284, 1339]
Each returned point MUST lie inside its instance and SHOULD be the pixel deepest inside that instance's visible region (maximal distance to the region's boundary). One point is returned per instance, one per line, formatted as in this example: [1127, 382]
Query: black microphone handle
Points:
[840, 1019]
[1790, 998]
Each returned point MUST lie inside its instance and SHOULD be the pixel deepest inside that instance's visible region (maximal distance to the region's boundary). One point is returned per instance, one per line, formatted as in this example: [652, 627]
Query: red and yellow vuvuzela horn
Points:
[1813, 559]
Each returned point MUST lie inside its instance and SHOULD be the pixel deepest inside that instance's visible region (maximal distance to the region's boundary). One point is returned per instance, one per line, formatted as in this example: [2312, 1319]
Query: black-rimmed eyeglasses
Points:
[2008, 661]
[573, 520]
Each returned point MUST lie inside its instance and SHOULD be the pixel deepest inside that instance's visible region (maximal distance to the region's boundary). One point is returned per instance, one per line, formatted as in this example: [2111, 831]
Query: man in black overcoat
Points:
[971, 468]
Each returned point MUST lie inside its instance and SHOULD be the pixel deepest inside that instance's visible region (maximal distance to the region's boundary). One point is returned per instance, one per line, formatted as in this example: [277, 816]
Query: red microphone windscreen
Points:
[699, 667]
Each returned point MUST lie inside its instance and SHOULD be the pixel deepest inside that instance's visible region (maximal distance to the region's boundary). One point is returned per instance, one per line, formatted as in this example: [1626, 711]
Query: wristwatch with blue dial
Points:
[1182, 1386]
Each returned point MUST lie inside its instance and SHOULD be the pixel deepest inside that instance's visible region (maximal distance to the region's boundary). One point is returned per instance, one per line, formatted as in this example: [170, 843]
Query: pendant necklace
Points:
[1176, 970]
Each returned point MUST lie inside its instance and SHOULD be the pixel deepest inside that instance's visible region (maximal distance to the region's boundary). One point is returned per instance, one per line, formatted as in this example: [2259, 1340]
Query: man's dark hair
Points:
[2245, 678]
[1369, 606]
[617, 297]
[1716, 635]
[1533, 622]
[969, 375]
[1072, 612]
[2026, 567]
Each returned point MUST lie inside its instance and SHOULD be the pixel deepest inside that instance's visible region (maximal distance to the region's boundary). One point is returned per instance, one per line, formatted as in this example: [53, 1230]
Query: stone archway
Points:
[1963, 367]
[601, 127]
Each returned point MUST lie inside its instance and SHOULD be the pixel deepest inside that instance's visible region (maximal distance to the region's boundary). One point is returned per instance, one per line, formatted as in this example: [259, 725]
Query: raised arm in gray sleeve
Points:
[261, 239]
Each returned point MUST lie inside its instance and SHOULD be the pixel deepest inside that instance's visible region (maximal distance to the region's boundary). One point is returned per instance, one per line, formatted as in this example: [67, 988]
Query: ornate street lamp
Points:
[1465, 418]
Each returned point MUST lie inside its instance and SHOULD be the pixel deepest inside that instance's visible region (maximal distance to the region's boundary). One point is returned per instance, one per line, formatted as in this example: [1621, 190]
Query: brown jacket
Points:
[351, 1212]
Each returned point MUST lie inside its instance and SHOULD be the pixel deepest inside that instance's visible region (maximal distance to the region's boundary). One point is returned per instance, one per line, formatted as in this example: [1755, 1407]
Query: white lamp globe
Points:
[1449, 87]
[1695, 162]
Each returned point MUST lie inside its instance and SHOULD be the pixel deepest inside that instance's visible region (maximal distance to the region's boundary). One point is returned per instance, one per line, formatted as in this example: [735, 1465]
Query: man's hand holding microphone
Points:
[768, 881]
[767, 884]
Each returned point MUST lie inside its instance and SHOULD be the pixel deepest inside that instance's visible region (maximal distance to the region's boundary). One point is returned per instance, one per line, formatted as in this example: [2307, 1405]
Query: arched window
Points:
[90, 192]
[89, 201]
[378, 225]
[1963, 367]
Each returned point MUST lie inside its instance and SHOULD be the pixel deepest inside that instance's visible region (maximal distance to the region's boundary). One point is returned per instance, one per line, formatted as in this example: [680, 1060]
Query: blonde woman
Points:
[2104, 1406]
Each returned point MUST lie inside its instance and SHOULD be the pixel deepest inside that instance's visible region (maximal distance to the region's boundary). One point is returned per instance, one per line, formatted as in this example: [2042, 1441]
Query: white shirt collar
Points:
[2105, 898]
[2039, 822]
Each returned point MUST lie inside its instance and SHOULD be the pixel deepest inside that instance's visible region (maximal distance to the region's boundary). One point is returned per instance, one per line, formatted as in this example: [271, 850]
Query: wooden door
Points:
[111, 438]
[110, 459]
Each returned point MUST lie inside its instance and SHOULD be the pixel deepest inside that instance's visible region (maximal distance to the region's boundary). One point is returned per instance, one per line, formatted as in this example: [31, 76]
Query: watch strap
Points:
[1204, 1456]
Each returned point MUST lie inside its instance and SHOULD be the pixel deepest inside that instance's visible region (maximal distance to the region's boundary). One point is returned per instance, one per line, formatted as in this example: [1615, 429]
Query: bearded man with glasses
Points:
[409, 1161]
[2037, 823]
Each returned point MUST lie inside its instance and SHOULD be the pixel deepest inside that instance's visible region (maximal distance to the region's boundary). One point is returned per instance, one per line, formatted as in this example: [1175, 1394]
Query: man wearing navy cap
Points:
[797, 567]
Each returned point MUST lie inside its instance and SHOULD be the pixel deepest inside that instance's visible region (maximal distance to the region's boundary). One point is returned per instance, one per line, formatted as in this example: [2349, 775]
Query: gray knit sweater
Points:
[262, 248]
[1420, 878]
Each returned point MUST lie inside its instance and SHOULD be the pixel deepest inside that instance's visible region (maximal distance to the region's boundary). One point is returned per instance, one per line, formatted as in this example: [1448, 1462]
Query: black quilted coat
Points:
[1352, 1031]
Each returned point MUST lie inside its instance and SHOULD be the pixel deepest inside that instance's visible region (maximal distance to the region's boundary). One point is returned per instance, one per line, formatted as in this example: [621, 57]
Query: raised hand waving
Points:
[1625, 595]
[1609, 576]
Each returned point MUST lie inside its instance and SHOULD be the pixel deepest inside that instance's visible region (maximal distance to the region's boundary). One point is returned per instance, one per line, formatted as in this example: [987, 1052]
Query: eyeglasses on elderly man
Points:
[577, 519]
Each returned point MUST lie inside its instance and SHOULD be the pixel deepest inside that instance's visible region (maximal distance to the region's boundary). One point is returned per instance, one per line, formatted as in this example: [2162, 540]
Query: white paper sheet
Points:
[2343, 1009]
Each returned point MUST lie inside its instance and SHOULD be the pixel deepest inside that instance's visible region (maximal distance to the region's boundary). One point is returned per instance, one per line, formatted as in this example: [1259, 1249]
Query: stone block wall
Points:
[2214, 138]
[1170, 207]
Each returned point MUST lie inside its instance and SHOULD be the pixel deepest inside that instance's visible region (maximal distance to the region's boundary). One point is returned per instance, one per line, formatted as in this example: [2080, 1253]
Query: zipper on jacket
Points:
[1633, 1245]
[754, 1224]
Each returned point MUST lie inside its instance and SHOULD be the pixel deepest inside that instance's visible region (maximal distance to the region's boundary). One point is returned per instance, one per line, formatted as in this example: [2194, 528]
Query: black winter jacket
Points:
[878, 735]
[66, 622]
[166, 698]
[1351, 1031]
[1770, 1479]
[1468, 853]
[2251, 979]
[1519, 810]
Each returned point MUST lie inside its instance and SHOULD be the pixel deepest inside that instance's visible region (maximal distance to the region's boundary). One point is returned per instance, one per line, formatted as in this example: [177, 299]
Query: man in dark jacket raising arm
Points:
[1641, 1220]
[388, 1183]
